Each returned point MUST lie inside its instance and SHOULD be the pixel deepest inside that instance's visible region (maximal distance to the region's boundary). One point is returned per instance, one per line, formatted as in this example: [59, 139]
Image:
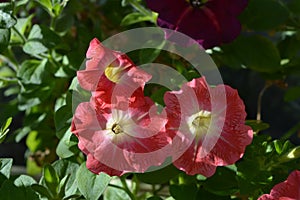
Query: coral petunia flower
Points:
[209, 137]
[287, 190]
[117, 141]
[210, 22]
[105, 69]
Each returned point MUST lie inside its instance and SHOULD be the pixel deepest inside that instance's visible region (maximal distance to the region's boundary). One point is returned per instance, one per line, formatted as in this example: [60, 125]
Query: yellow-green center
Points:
[113, 73]
[199, 123]
[116, 128]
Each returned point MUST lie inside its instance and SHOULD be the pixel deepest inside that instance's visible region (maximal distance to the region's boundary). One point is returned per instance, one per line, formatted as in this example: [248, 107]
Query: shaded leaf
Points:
[89, 184]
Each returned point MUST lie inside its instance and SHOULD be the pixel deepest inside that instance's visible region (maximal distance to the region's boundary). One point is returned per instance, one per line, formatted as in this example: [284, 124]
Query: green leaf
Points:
[47, 5]
[4, 39]
[243, 52]
[134, 18]
[292, 94]
[41, 190]
[159, 176]
[40, 39]
[6, 20]
[51, 179]
[89, 184]
[264, 14]
[22, 25]
[24, 181]
[5, 166]
[181, 192]
[63, 148]
[223, 182]
[63, 117]
[203, 194]
[9, 191]
[32, 71]
[115, 193]
[4, 129]
[257, 126]
[65, 167]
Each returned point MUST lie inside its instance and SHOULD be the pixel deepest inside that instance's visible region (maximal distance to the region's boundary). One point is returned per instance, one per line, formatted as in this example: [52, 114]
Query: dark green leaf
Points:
[244, 52]
[159, 176]
[4, 39]
[9, 191]
[264, 14]
[41, 190]
[223, 182]
[257, 125]
[181, 192]
[292, 94]
[89, 184]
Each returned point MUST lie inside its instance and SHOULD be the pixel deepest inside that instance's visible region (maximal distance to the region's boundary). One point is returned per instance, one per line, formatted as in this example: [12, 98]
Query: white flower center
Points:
[199, 123]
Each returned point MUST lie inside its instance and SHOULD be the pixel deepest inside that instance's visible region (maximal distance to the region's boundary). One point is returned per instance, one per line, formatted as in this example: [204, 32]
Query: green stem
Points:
[19, 34]
[259, 101]
[126, 188]
[140, 8]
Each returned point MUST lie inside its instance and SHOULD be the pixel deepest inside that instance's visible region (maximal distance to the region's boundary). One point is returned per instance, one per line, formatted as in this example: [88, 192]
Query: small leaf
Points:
[89, 184]
[4, 129]
[134, 18]
[4, 39]
[5, 166]
[257, 125]
[41, 190]
[181, 192]
[65, 167]
[32, 71]
[6, 20]
[63, 148]
[51, 179]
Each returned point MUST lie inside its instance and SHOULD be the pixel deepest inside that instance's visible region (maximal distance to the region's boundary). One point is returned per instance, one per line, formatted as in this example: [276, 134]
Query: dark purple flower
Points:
[210, 22]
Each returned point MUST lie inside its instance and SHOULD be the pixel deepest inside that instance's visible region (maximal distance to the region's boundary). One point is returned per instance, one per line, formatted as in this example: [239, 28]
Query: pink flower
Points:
[105, 69]
[209, 137]
[210, 22]
[117, 141]
[287, 190]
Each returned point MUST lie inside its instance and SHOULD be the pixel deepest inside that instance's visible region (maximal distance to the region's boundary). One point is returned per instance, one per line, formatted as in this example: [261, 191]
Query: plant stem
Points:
[259, 100]
[140, 8]
[126, 188]
[19, 34]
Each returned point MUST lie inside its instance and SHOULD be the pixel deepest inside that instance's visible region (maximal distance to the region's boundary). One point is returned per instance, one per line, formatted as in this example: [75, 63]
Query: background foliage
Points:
[43, 44]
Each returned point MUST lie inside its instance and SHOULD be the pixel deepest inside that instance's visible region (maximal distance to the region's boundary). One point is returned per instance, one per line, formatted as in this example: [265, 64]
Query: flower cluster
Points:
[287, 190]
[210, 22]
[120, 129]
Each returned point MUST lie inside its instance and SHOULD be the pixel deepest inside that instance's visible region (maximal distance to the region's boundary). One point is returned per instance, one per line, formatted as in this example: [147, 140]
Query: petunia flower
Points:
[105, 69]
[211, 125]
[117, 141]
[210, 22]
[287, 190]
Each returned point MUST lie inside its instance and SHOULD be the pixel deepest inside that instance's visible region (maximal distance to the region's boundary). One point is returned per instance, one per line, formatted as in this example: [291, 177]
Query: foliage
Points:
[42, 45]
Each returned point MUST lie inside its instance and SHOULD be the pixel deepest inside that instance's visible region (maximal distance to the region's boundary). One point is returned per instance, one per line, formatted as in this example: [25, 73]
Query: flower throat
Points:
[197, 3]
